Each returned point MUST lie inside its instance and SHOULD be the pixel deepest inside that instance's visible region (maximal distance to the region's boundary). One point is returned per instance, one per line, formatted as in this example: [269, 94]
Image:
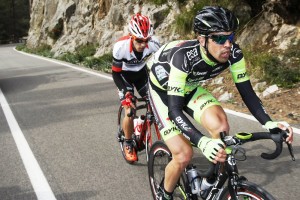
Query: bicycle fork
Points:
[233, 176]
[231, 173]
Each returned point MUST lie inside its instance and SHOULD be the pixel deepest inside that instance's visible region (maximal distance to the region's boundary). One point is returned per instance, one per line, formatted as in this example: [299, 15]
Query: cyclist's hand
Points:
[127, 101]
[275, 127]
[212, 149]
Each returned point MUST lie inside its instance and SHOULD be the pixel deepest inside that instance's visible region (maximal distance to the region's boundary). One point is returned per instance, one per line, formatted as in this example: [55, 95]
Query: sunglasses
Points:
[221, 39]
[138, 40]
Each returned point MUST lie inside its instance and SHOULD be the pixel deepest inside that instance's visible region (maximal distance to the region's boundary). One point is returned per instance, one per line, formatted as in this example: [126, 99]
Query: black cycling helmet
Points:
[215, 19]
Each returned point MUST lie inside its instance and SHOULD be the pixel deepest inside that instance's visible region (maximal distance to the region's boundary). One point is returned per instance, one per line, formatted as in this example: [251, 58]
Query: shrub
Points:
[270, 68]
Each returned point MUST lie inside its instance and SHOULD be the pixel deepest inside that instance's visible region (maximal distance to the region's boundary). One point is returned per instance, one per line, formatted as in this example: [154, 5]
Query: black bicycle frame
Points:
[231, 173]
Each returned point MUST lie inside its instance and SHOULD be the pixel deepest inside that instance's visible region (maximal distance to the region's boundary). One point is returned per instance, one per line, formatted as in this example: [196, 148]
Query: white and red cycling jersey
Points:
[124, 57]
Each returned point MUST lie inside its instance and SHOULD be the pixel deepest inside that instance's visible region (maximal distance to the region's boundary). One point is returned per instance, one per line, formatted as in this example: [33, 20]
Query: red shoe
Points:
[130, 153]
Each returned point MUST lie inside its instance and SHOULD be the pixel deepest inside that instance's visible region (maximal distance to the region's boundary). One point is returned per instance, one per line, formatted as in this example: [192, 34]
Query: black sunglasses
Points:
[221, 39]
[141, 40]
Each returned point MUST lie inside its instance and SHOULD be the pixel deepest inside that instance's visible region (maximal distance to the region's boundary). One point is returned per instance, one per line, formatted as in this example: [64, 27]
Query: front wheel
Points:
[152, 135]
[159, 157]
[247, 190]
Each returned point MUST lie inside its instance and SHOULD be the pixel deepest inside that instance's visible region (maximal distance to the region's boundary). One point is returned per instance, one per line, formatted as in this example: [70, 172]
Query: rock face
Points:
[67, 24]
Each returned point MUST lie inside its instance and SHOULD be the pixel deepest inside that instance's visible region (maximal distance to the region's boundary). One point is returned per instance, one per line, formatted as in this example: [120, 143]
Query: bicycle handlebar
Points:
[241, 138]
[134, 101]
[278, 139]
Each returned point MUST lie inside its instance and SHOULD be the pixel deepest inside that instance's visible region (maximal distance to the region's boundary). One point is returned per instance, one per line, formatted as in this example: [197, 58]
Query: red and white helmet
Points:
[140, 26]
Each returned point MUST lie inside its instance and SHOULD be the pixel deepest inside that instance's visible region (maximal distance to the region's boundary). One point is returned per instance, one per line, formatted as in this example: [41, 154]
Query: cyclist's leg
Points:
[207, 111]
[127, 125]
[179, 146]
[182, 153]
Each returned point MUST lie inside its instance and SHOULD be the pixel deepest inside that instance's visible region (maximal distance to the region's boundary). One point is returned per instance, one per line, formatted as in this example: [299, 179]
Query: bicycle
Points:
[148, 133]
[238, 187]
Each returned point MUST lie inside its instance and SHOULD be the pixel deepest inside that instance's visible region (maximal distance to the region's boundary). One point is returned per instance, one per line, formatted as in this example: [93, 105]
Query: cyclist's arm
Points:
[253, 102]
[117, 64]
[242, 82]
[176, 86]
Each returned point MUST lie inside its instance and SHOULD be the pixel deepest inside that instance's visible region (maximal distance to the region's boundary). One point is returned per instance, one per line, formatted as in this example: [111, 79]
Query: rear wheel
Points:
[247, 191]
[159, 157]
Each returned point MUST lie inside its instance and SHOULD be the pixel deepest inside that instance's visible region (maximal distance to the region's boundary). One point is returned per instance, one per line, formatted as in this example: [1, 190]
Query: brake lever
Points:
[290, 147]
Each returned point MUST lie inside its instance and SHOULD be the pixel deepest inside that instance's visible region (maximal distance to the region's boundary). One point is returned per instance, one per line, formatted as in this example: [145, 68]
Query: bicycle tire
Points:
[120, 134]
[247, 190]
[159, 157]
[152, 135]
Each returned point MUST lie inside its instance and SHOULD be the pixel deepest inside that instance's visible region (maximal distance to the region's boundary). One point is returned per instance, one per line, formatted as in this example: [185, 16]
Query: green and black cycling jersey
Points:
[178, 68]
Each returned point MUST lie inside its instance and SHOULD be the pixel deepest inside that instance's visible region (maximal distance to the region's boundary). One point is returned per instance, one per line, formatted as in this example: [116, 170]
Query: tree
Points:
[14, 21]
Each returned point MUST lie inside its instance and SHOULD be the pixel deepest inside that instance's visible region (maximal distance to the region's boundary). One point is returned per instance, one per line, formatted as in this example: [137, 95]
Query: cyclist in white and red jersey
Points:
[177, 70]
[129, 69]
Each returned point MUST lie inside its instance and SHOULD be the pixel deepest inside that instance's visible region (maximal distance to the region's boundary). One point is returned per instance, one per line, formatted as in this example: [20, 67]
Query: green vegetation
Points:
[161, 2]
[42, 50]
[82, 56]
[158, 2]
[283, 70]
[184, 21]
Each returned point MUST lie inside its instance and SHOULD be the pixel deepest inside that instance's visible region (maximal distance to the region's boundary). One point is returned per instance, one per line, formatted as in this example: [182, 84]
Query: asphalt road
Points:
[59, 141]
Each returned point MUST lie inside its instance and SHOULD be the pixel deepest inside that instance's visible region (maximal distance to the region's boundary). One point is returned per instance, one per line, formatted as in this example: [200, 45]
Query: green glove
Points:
[210, 147]
[271, 125]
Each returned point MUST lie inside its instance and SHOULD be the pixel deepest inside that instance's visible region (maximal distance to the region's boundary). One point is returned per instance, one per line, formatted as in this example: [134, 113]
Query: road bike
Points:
[149, 132]
[190, 185]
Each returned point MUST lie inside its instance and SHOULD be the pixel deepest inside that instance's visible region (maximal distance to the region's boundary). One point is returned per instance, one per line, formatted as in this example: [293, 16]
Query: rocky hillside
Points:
[269, 25]
[66, 24]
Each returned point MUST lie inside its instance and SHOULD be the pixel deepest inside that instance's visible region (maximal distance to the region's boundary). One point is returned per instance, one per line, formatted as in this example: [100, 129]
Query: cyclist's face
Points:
[139, 44]
[219, 45]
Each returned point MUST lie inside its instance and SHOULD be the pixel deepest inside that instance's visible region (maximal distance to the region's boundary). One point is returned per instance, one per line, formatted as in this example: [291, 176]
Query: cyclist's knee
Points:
[181, 149]
[215, 121]
[183, 158]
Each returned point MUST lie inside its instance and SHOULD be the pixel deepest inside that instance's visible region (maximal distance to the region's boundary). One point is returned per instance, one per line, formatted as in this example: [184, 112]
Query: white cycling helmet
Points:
[140, 26]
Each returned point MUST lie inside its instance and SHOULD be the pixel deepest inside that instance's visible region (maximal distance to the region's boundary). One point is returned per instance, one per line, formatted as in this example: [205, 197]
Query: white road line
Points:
[36, 176]
[246, 116]
[65, 64]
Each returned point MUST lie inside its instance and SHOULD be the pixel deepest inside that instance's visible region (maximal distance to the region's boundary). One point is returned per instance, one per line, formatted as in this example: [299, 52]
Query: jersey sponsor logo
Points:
[215, 74]
[192, 54]
[160, 72]
[133, 61]
[175, 89]
[192, 81]
[199, 73]
[242, 75]
[206, 103]
[216, 69]
[172, 129]
[182, 123]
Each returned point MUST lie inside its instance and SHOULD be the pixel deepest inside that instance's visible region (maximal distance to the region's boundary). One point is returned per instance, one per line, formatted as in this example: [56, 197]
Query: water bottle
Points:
[205, 187]
[194, 180]
[138, 125]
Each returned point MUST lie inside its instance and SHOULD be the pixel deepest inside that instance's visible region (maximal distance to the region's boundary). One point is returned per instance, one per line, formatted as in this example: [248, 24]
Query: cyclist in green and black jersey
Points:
[177, 70]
